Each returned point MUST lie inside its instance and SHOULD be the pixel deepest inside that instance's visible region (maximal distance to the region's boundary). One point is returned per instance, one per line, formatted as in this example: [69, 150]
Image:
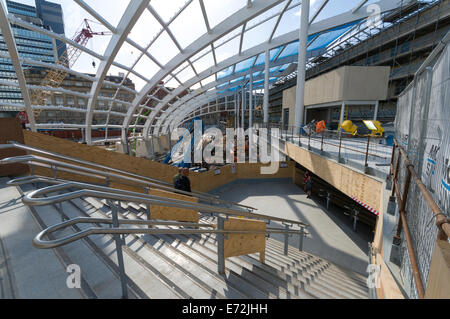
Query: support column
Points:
[250, 105]
[301, 71]
[266, 88]
[243, 109]
[341, 118]
[375, 114]
[235, 111]
[250, 118]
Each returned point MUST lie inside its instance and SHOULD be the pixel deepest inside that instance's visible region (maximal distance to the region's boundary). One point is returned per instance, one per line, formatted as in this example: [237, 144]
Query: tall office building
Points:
[30, 44]
[51, 15]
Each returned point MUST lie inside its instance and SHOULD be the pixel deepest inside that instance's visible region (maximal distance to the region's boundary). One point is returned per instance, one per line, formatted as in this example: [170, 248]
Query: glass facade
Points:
[51, 15]
[30, 44]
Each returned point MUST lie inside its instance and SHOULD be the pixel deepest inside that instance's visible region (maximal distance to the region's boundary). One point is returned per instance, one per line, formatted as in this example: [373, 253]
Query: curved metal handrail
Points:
[33, 199]
[38, 242]
[90, 172]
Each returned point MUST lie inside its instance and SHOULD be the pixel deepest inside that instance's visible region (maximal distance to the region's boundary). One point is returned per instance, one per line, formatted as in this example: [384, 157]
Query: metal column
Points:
[250, 105]
[375, 114]
[243, 108]
[341, 119]
[266, 88]
[301, 72]
[119, 243]
[220, 247]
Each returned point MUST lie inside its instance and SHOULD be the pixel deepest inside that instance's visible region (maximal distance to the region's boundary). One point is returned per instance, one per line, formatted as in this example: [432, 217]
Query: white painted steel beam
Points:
[129, 18]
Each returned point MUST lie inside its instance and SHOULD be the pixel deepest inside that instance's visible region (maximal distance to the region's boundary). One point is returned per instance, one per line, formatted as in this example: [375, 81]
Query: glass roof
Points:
[180, 51]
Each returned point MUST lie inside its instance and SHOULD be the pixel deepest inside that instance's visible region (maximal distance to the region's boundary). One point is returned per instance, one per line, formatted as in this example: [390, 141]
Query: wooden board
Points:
[244, 244]
[438, 285]
[11, 130]
[352, 183]
[388, 287]
[124, 162]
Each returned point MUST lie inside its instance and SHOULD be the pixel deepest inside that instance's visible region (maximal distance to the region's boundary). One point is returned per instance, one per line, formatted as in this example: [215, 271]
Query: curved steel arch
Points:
[159, 119]
[223, 28]
[315, 28]
[129, 18]
[171, 114]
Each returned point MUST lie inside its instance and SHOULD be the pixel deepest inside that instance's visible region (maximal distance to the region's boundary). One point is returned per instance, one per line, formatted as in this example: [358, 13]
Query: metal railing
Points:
[74, 190]
[101, 172]
[357, 150]
[442, 221]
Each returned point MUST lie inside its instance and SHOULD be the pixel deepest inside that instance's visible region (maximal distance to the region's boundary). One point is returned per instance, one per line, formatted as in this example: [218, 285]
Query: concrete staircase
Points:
[170, 266]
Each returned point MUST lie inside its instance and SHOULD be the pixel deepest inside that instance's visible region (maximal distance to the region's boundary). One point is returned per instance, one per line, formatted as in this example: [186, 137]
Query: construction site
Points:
[241, 149]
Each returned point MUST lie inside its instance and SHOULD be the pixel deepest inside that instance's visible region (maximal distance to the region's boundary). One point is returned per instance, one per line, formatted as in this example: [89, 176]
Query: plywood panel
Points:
[11, 130]
[98, 155]
[244, 244]
[348, 83]
[388, 287]
[438, 286]
[203, 182]
[352, 183]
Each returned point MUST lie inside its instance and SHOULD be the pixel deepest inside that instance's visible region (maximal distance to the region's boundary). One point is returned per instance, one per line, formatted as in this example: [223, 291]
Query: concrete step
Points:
[344, 273]
[99, 274]
[255, 271]
[168, 272]
[179, 262]
[27, 272]
[146, 278]
[196, 270]
[320, 271]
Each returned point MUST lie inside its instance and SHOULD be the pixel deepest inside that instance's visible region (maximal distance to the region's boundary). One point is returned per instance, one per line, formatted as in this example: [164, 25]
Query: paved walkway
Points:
[331, 235]
[352, 149]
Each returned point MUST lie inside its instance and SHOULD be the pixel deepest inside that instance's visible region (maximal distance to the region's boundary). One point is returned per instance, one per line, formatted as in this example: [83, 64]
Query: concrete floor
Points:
[330, 233]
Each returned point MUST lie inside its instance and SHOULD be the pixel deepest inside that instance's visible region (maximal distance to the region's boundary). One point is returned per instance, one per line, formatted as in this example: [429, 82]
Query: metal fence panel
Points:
[425, 133]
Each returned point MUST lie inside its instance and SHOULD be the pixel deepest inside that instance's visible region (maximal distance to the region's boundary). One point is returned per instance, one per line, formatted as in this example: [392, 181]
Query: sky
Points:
[187, 28]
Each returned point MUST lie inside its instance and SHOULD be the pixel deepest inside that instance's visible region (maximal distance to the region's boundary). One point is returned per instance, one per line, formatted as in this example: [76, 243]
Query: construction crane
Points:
[55, 77]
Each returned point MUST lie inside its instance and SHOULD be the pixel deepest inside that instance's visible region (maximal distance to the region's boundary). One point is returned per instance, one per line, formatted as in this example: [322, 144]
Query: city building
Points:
[52, 15]
[402, 42]
[30, 45]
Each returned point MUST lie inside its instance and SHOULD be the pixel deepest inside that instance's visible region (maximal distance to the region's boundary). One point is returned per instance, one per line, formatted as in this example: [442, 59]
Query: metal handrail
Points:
[103, 192]
[114, 173]
[111, 194]
[442, 222]
[38, 242]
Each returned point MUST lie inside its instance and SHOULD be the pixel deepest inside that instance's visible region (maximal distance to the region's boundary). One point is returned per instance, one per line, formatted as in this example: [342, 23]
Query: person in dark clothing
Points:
[305, 178]
[182, 182]
[308, 186]
[177, 176]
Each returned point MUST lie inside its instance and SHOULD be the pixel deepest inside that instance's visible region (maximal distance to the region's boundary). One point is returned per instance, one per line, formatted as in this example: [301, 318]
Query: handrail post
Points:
[286, 240]
[300, 243]
[147, 210]
[340, 147]
[403, 202]
[355, 219]
[309, 141]
[119, 252]
[55, 171]
[321, 145]
[366, 164]
[394, 179]
[391, 170]
[328, 200]
[220, 247]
